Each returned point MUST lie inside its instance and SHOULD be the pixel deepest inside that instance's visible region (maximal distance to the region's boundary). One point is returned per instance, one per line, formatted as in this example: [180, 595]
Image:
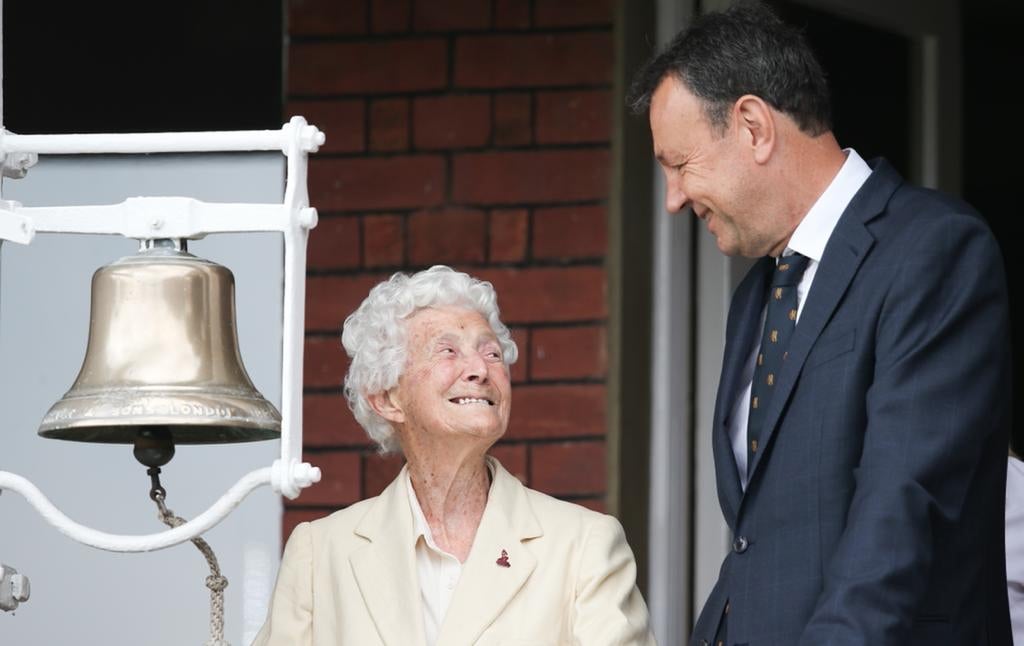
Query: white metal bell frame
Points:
[179, 217]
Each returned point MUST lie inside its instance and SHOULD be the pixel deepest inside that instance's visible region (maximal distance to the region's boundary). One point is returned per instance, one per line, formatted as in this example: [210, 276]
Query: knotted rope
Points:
[216, 582]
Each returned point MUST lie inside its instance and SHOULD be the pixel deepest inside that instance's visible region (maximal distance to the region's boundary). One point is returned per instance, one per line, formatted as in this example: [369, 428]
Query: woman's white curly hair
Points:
[374, 335]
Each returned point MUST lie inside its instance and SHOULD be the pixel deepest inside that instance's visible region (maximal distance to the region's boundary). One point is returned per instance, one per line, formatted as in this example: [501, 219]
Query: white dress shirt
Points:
[1015, 546]
[438, 571]
[809, 239]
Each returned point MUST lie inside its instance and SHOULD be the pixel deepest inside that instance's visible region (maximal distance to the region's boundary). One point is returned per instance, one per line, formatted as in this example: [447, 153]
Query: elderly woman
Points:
[455, 551]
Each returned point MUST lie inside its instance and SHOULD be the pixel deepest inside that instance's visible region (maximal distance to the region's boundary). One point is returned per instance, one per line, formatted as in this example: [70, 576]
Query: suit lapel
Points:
[486, 587]
[843, 255]
[741, 335]
[385, 570]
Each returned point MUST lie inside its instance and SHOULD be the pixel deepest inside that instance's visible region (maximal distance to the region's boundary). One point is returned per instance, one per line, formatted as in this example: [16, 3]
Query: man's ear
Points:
[755, 122]
[387, 406]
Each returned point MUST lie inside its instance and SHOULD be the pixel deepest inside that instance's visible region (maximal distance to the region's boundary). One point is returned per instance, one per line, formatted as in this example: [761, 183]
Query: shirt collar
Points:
[812, 234]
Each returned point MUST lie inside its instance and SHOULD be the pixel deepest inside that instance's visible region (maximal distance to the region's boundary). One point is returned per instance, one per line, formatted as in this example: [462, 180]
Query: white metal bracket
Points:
[14, 588]
[15, 165]
[15, 226]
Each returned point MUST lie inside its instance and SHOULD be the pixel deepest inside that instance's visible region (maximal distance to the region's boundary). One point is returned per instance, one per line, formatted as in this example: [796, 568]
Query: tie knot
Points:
[789, 270]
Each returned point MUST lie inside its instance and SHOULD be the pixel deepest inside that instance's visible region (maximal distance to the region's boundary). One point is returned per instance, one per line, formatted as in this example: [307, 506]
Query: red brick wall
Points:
[473, 133]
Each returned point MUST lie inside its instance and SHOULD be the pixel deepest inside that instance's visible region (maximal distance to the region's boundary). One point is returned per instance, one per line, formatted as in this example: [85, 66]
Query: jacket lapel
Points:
[385, 570]
[844, 253]
[486, 587]
[741, 335]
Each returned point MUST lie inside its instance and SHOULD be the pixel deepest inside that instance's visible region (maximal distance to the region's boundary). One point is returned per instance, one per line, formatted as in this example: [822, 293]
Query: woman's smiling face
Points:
[455, 381]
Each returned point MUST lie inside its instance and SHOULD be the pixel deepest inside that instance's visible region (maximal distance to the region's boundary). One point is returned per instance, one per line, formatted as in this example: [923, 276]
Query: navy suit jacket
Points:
[874, 510]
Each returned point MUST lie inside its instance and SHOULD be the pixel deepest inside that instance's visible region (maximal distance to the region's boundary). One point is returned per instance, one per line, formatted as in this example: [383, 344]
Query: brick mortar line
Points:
[565, 381]
[323, 336]
[554, 382]
[406, 230]
[540, 325]
[526, 357]
[553, 263]
[512, 324]
[334, 214]
[447, 34]
[291, 505]
[478, 206]
[361, 243]
[350, 215]
[335, 391]
[533, 325]
[488, 227]
[455, 90]
[457, 205]
[540, 262]
[321, 449]
[510, 206]
[576, 498]
[478, 150]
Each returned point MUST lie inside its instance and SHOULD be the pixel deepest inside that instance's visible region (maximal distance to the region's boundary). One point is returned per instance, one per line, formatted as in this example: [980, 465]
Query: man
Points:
[862, 417]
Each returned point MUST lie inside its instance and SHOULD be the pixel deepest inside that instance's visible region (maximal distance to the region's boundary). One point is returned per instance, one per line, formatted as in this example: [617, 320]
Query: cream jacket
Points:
[350, 579]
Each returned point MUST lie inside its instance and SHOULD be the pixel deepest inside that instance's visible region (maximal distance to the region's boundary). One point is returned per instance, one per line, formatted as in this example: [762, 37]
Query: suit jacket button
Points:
[740, 545]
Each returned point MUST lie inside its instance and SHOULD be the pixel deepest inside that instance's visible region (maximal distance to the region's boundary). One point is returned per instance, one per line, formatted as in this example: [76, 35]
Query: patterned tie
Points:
[779, 324]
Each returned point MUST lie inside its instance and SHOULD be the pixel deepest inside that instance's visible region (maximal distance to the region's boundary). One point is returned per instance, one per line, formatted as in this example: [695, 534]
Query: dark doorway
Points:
[992, 52]
[871, 92]
[129, 66]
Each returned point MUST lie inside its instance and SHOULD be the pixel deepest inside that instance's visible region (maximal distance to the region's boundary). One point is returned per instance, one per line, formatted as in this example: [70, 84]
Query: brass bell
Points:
[162, 364]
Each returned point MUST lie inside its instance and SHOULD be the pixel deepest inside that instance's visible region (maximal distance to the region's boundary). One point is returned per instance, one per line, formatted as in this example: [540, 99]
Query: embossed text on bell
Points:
[162, 352]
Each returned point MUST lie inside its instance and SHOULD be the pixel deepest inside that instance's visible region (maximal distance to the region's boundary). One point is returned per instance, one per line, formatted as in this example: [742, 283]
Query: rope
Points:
[216, 582]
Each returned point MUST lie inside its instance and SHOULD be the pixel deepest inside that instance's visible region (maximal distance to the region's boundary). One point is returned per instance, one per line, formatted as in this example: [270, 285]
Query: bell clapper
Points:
[154, 448]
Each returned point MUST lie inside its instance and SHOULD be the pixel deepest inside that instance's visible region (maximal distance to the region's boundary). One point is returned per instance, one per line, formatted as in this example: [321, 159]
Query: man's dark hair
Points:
[746, 49]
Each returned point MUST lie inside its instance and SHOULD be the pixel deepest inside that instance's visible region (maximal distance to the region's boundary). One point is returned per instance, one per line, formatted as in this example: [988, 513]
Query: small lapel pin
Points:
[503, 559]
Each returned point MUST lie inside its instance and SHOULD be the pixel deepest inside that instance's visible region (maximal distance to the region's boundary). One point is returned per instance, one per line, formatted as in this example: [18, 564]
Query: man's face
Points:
[455, 383]
[713, 173]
